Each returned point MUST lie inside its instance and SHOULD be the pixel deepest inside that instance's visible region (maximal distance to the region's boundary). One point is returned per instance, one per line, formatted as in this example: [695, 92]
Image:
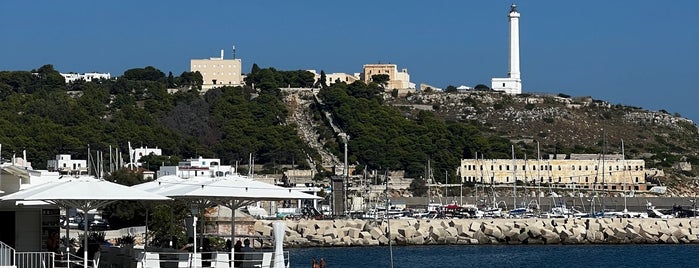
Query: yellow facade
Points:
[397, 80]
[218, 72]
[610, 174]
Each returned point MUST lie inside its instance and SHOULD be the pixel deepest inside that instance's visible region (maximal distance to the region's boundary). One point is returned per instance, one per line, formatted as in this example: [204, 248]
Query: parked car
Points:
[95, 225]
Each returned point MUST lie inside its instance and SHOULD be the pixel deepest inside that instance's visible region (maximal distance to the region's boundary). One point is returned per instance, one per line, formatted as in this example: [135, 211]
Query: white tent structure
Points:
[85, 193]
[232, 192]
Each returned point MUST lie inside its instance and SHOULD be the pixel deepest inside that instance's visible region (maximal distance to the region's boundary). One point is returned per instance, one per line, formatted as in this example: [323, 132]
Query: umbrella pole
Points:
[85, 238]
[232, 236]
[145, 247]
[194, 246]
[68, 244]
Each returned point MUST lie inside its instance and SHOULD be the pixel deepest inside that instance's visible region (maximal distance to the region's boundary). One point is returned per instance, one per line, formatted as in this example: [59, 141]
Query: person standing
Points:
[237, 253]
[52, 242]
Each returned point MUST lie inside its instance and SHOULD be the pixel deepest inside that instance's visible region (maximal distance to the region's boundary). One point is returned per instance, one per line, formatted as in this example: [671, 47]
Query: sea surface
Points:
[502, 256]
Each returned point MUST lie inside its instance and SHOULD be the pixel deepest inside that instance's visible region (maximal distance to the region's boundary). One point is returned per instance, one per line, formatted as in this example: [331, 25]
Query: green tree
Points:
[170, 80]
[451, 89]
[381, 79]
[148, 73]
[322, 80]
[481, 87]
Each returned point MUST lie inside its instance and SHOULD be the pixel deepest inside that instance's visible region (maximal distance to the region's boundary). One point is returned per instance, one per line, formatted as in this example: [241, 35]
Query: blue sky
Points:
[641, 53]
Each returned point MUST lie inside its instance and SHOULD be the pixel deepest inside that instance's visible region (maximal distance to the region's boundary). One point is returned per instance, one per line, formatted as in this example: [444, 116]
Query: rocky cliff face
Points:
[555, 120]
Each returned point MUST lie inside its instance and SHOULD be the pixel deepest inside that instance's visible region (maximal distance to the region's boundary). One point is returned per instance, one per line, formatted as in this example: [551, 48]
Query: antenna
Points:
[233, 51]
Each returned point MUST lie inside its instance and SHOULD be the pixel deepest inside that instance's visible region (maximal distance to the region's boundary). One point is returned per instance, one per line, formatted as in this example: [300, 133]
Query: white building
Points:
[218, 72]
[88, 77]
[335, 77]
[513, 83]
[136, 154]
[63, 164]
[197, 167]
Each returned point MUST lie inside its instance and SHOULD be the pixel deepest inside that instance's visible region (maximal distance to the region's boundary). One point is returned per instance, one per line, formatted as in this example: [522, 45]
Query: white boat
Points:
[380, 213]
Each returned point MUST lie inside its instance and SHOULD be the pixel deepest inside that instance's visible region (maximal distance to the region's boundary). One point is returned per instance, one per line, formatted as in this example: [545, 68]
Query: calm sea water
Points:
[503, 256]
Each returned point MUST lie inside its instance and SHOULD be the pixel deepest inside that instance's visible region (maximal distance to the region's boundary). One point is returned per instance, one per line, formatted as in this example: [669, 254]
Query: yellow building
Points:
[397, 80]
[579, 171]
[218, 72]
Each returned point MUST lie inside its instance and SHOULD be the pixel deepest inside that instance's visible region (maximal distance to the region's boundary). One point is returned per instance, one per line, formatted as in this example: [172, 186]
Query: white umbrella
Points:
[232, 191]
[85, 193]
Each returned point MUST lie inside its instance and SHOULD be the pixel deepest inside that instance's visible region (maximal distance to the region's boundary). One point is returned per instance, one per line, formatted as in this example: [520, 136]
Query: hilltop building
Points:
[218, 72]
[337, 77]
[513, 83]
[197, 167]
[63, 164]
[397, 80]
[583, 171]
[88, 77]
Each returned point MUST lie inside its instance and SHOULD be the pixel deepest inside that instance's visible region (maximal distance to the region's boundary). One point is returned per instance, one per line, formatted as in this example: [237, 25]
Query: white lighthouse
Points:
[513, 83]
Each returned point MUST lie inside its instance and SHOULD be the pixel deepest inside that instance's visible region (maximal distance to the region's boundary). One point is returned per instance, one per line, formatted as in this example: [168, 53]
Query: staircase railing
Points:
[35, 259]
[7, 255]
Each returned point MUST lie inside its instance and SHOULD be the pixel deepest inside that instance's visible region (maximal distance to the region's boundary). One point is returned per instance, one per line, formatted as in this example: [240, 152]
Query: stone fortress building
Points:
[579, 171]
[218, 72]
[397, 80]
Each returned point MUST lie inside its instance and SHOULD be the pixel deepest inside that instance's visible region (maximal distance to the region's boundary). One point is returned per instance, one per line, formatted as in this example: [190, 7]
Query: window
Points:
[503, 84]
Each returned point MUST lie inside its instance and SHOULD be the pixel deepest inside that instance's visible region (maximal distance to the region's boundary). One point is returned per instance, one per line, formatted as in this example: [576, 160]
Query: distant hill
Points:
[564, 124]
[308, 128]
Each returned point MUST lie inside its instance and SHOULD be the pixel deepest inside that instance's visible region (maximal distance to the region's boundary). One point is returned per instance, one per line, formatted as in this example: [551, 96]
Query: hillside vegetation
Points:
[45, 116]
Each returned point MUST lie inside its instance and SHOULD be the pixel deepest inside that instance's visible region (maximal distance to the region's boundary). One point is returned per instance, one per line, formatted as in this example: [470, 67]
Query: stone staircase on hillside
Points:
[299, 102]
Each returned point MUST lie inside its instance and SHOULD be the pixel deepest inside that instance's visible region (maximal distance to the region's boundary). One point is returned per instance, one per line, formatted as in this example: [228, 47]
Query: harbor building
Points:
[218, 72]
[397, 80]
[579, 171]
[512, 84]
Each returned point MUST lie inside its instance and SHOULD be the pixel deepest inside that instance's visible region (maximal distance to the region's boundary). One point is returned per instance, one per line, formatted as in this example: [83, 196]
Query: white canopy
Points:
[230, 191]
[85, 193]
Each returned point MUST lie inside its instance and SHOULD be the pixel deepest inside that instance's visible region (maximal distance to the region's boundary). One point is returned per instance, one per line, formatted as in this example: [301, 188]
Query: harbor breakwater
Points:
[319, 233]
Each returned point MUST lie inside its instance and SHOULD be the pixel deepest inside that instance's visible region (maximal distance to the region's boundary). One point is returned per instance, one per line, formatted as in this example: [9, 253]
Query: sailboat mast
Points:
[538, 179]
[475, 182]
[604, 153]
[623, 157]
[514, 176]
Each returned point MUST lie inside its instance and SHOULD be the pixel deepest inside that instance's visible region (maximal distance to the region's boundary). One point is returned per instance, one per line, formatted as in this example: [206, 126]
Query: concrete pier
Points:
[319, 233]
